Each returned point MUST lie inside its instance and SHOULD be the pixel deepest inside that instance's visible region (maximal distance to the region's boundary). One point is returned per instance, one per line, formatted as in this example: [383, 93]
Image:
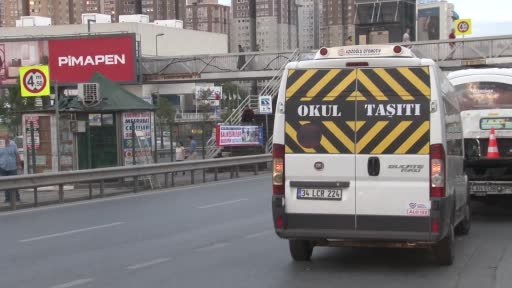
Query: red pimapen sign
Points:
[75, 60]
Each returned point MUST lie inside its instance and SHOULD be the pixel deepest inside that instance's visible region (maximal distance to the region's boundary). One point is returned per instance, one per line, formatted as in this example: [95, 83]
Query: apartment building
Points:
[208, 15]
[275, 22]
[70, 11]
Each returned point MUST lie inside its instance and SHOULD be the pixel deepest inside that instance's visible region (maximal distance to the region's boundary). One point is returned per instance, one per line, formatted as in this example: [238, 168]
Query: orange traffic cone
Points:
[492, 149]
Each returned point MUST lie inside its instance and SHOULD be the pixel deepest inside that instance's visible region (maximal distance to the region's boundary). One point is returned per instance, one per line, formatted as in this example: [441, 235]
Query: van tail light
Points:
[278, 169]
[437, 171]
[435, 226]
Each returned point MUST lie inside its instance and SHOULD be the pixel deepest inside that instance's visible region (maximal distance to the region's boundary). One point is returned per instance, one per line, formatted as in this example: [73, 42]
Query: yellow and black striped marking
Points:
[363, 111]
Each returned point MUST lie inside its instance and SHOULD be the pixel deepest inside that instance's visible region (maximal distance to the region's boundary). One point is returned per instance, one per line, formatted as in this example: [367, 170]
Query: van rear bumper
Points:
[317, 234]
[369, 227]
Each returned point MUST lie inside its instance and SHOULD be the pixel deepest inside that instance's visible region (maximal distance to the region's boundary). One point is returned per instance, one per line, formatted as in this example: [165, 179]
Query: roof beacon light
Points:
[323, 51]
[397, 49]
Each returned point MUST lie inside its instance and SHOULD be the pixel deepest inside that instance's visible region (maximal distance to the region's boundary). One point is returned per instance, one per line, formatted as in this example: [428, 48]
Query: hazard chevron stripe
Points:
[354, 131]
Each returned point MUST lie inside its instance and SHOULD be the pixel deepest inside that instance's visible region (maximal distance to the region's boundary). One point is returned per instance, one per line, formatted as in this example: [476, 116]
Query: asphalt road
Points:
[220, 235]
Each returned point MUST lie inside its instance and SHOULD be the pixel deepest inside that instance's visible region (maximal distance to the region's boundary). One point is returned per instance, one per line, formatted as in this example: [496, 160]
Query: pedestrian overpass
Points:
[454, 54]
[470, 52]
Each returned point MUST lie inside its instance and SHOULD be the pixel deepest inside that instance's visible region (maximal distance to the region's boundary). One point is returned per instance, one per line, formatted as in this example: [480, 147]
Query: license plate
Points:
[318, 194]
[483, 188]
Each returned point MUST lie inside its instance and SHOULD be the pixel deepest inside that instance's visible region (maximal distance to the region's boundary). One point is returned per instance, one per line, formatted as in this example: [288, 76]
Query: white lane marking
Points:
[129, 196]
[211, 247]
[74, 283]
[147, 264]
[258, 234]
[223, 203]
[70, 232]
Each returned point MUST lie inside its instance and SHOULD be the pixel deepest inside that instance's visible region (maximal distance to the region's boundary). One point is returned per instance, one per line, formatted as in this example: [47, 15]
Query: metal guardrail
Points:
[137, 172]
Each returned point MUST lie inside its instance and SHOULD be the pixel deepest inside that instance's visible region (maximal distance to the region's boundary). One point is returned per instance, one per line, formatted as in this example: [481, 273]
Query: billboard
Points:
[210, 94]
[238, 135]
[485, 95]
[72, 59]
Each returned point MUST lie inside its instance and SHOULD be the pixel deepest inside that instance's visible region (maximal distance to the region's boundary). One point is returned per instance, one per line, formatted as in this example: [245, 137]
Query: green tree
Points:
[12, 105]
[205, 108]
[166, 114]
[231, 92]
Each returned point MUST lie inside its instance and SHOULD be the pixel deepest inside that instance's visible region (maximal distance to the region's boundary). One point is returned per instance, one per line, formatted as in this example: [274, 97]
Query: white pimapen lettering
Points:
[393, 109]
[319, 111]
[111, 59]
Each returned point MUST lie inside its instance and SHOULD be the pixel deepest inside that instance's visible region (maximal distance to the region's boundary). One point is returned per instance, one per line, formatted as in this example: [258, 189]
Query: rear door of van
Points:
[392, 149]
[319, 149]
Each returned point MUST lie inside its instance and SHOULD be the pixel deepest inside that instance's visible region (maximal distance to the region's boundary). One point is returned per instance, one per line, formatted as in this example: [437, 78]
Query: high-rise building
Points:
[384, 21]
[59, 11]
[309, 24]
[337, 22]
[2, 13]
[70, 11]
[275, 25]
[208, 15]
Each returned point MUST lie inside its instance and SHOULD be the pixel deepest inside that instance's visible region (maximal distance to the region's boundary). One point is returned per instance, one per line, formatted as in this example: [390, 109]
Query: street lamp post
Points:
[89, 21]
[156, 42]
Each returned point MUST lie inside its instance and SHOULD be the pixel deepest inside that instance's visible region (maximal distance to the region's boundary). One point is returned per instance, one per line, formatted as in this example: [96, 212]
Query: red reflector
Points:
[279, 222]
[435, 226]
[437, 192]
[397, 49]
[277, 189]
[357, 64]
[323, 51]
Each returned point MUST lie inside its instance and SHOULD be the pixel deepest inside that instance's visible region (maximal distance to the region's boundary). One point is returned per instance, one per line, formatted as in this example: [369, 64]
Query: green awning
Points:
[114, 99]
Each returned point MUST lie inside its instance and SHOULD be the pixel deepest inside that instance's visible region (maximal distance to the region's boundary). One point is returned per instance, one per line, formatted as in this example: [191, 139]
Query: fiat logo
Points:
[319, 165]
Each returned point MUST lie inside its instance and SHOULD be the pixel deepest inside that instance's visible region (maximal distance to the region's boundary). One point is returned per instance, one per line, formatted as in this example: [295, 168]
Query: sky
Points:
[490, 17]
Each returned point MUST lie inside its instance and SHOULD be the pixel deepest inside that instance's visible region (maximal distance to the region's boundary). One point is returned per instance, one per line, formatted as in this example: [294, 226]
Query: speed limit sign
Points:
[34, 81]
[463, 27]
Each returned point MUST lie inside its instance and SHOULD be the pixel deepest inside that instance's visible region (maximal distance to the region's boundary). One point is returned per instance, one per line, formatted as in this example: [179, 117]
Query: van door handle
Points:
[373, 166]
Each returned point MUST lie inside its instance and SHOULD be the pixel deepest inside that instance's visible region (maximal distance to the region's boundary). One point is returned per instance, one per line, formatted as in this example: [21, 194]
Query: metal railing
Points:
[192, 66]
[490, 50]
[136, 172]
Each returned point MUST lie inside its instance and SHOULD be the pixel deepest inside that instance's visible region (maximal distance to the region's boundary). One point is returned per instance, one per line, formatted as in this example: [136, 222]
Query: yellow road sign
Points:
[34, 81]
[463, 27]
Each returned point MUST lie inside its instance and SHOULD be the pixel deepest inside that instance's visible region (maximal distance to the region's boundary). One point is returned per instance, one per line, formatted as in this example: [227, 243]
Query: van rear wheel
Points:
[444, 250]
[301, 250]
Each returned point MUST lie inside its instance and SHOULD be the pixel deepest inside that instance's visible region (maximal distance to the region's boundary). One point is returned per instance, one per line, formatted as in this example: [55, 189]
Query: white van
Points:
[368, 152]
[486, 105]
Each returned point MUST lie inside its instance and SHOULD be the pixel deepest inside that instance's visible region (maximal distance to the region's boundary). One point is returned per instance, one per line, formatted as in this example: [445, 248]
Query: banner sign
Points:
[238, 135]
[35, 122]
[143, 128]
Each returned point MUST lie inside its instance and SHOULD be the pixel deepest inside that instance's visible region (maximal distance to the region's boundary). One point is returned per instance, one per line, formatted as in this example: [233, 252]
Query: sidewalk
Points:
[50, 195]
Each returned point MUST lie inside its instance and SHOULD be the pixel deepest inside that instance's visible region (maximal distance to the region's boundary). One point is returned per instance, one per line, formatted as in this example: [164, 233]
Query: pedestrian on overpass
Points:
[9, 163]
[452, 44]
[192, 150]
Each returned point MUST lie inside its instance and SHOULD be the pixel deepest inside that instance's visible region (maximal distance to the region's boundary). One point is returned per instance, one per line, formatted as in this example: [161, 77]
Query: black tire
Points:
[444, 250]
[301, 250]
[464, 226]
